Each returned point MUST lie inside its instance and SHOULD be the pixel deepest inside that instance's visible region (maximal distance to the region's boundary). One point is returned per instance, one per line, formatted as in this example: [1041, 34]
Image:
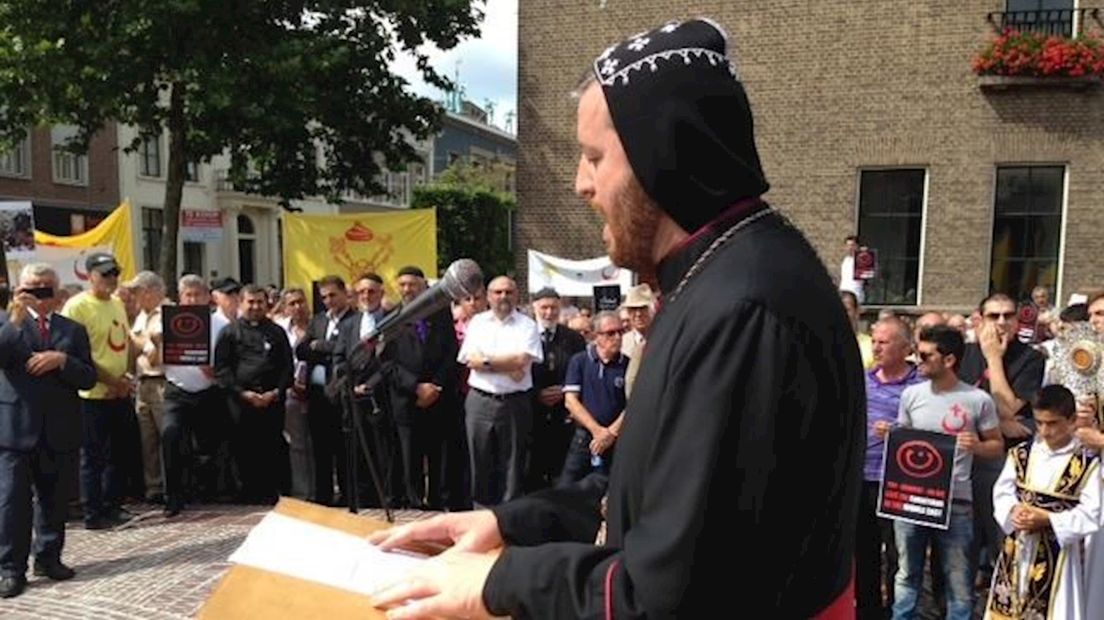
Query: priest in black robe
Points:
[736, 484]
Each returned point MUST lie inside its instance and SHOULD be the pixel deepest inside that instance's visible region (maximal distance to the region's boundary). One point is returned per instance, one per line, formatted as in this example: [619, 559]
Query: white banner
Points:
[574, 278]
[67, 262]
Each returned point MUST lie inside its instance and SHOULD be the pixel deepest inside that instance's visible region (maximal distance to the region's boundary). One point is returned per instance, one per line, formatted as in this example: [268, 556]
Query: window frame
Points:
[925, 197]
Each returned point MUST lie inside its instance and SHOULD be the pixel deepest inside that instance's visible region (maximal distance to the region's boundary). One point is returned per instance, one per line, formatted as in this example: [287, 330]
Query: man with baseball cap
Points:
[108, 411]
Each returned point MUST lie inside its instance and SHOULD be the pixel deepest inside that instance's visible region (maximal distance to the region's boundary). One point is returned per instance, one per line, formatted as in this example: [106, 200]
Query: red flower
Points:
[1028, 53]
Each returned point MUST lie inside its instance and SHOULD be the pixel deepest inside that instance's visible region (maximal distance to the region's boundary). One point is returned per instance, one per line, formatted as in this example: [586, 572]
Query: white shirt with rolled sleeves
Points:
[490, 337]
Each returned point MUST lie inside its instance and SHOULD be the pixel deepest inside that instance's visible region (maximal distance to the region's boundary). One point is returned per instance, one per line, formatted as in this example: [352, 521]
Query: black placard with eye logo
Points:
[918, 474]
[186, 333]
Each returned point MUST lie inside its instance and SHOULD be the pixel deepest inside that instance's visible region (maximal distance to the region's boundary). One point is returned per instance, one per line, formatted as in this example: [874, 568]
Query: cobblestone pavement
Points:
[150, 568]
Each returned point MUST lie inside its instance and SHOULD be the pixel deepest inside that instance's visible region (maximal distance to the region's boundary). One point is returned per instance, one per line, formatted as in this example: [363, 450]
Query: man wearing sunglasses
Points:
[107, 406]
[1011, 372]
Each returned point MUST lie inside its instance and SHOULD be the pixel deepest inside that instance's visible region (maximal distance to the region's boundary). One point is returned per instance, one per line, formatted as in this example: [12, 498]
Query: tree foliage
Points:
[299, 93]
[473, 219]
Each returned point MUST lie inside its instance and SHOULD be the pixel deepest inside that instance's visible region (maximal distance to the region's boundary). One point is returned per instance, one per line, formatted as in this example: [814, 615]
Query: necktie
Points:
[546, 336]
[423, 330]
[43, 330]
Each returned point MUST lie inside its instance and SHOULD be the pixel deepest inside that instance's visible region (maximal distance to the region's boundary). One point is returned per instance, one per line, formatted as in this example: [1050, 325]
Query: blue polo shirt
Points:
[601, 386]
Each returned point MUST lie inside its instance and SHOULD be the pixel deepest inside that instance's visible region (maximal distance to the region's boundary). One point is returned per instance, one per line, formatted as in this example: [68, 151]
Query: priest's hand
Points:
[1086, 412]
[1029, 518]
[474, 530]
[447, 586]
[551, 395]
[427, 394]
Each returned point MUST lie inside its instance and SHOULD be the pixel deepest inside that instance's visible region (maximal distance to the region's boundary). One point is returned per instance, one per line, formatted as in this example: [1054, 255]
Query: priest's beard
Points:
[633, 220]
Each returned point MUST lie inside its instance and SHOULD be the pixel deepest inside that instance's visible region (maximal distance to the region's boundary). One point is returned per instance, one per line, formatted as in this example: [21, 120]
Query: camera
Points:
[41, 292]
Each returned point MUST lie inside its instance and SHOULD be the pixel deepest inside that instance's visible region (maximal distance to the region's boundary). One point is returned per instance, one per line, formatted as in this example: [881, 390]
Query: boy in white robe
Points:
[1091, 437]
[1047, 500]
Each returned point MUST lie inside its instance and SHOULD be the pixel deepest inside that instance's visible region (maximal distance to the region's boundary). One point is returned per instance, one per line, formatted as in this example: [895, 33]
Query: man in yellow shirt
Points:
[107, 406]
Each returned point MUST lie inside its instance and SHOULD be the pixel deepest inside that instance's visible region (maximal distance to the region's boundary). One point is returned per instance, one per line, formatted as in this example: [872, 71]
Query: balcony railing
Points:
[1058, 22]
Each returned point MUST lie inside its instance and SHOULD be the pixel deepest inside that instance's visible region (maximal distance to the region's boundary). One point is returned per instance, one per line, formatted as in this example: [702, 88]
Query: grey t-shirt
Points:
[963, 408]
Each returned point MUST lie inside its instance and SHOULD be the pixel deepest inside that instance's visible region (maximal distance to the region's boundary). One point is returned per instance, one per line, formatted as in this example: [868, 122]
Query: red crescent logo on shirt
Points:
[959, 423]
[118, 348]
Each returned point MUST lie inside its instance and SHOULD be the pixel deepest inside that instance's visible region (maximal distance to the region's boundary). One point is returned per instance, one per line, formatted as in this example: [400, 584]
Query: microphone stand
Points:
[353, 430]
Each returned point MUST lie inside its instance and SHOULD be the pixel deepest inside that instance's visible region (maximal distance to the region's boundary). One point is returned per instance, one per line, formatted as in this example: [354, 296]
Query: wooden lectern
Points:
[248, 592]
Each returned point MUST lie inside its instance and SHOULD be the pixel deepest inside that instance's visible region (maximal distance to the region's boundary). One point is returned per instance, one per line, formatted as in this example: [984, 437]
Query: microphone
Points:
[462, 279]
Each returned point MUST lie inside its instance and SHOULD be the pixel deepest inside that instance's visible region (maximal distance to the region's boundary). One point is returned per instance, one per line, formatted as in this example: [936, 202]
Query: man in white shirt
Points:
[193, 404]
[499, 348]
[847, 281]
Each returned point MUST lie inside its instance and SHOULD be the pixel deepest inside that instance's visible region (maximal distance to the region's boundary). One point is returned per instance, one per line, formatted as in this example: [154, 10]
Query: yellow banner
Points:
[353, 244]
[67, 254]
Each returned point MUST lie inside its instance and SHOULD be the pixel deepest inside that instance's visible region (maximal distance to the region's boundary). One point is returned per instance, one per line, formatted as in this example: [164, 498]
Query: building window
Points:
[16, 162]
[191, 172]
[1027, 229]
[150, 153]
[69, 168]
[152, 223]
[247, 250]
[891, 214]
[1053, 17]
[193, 257]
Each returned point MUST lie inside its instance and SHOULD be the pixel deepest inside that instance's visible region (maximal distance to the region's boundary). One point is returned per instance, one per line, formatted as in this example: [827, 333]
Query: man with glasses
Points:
[594, 392]
[107, 406]
[1011, 372]
[944, 404]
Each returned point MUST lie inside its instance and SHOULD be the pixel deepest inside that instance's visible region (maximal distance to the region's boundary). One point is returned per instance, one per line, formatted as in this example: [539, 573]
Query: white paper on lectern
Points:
[297, 548]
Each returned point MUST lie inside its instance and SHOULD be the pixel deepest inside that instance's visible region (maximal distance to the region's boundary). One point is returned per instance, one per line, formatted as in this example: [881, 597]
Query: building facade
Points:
[468, 137]
[70, 193]
[245, 240]
[869, 120]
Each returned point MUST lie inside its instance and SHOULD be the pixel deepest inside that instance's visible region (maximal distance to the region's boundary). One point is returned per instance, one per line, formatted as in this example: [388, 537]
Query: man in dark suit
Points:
[552, 426]
[422, 393]
[45, 359]
[324, 417]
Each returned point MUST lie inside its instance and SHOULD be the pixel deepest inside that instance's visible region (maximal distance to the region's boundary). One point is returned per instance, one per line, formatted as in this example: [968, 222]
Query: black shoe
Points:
[98, 523]
[119, 516]
[55, 570]
[12, 586]
[173, 507]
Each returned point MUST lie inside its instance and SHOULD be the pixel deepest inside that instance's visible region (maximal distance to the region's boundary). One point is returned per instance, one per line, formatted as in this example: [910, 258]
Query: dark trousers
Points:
[577, 462]
[425, 438]
[192, 414]
[549, 442]
[498, 431]
[988, 536]
[47, 473]
[872, 534]
[260, 451]
[324, 419]
[104, 455]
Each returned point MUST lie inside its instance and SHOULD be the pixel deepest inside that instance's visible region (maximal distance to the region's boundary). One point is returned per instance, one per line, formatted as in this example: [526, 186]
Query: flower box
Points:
[1046, 58]
[1006, 82]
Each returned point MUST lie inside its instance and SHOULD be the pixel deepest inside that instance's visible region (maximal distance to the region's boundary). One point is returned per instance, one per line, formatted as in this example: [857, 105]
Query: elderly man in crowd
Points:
[44, 359]
[145, 336]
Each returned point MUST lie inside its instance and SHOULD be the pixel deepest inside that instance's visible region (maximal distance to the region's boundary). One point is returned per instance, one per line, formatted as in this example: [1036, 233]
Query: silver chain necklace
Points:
[713, 247]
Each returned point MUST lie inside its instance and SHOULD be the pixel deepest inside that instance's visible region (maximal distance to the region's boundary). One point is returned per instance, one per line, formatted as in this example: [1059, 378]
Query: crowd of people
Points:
[469, 407]
[1027, 483]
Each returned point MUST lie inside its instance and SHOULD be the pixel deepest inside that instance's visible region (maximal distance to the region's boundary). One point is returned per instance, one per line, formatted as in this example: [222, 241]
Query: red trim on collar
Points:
[738, 210]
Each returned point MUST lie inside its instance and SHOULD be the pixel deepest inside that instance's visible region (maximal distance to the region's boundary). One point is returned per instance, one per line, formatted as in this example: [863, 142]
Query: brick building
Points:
[869, 119]
[70, 193]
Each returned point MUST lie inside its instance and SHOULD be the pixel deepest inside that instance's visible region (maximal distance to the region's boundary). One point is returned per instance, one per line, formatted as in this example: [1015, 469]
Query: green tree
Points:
[473, 219]
[279, 85]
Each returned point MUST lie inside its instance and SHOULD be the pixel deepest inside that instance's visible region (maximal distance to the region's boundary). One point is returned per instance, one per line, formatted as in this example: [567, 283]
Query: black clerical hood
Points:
[683, 118]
